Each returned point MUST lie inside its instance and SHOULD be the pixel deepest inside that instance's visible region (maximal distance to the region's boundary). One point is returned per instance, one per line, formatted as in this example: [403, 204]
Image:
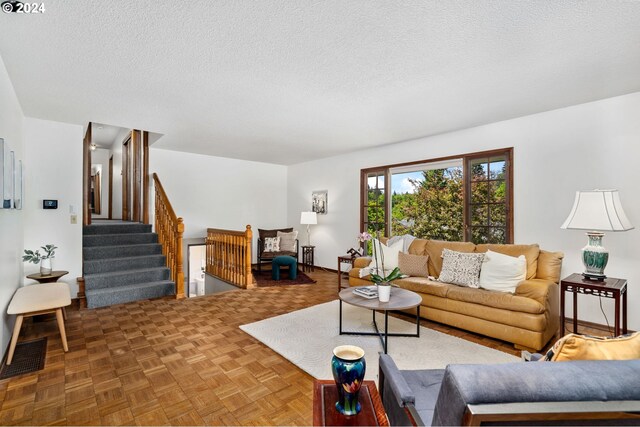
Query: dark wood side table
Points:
[325, 395]
[308, 263]
[47, 278]
[347, 259]
[609, 288]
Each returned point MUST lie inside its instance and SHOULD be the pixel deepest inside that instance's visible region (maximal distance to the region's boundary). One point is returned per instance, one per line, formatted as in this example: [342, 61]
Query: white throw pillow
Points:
[390, 255]
[460, 268]
[272, 244]
[502, 272]
[288, 241]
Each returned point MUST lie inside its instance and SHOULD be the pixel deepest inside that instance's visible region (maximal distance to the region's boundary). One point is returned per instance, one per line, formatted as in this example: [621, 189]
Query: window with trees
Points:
[459, 198]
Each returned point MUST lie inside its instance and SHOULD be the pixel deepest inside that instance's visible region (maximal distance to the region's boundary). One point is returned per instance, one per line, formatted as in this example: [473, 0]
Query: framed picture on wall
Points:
[319, 202]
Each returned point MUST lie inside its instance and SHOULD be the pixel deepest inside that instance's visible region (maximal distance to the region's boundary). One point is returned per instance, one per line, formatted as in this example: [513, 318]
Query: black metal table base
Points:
[384, 338]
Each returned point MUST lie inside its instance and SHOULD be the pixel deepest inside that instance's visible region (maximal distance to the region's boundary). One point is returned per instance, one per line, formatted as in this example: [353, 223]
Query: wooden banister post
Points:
[179, 270]
[247, 258]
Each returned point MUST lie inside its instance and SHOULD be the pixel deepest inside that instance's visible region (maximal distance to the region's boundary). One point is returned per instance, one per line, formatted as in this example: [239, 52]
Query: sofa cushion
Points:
[272, 233]
[549, 266]
[434, 248]
[424, 285]
[461, 268]
[585, 347]
[271, 255]
[413, 265]
[530, 252]
[495, 299]
[418, 247]
[502, 272]
[288, 240]
[477, 315]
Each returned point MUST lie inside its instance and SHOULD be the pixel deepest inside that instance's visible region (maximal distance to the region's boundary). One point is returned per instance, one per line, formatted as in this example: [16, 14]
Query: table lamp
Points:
[596, 211]
[308, 218]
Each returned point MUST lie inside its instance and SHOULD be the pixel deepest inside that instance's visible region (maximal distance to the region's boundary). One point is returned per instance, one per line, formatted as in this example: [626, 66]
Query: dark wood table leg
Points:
[386, 330]
[617, 316]
[575, 311]
[339, 275]
[624, 312]
[562, 318]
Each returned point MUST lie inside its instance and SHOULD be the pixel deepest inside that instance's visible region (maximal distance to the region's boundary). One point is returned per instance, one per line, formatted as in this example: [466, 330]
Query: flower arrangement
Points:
[35, 256]
[384, 279]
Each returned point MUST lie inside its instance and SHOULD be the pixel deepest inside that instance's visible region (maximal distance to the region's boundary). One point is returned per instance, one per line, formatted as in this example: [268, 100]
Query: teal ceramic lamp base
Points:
[594, 257]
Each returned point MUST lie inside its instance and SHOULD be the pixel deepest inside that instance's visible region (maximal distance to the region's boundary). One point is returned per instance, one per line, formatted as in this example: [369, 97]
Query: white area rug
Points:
[307, 338]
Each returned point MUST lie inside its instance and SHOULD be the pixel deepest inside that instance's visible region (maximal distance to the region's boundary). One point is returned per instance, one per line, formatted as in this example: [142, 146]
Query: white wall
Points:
[100, 156]
[11, 221]
[587, 146]
[53, 159]
[215, 192]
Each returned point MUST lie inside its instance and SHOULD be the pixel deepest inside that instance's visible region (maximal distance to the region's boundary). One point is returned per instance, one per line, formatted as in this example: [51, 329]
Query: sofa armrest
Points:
[536, 289]
[362, 262]
[390, 373]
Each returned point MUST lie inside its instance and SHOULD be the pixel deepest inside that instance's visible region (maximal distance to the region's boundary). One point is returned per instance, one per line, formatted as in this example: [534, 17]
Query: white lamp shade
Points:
[308, 218]
[597, 210]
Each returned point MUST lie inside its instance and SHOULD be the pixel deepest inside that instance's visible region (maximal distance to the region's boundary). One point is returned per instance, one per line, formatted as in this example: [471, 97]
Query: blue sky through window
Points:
[400, 182]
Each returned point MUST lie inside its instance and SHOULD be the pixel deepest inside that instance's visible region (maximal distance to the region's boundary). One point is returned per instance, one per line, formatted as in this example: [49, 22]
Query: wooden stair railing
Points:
[169, 228]
[229, 256]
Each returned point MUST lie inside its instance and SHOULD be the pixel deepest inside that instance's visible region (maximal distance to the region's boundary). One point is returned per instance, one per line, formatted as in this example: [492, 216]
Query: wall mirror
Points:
[7, 175]
[3, 158]
[18, 187]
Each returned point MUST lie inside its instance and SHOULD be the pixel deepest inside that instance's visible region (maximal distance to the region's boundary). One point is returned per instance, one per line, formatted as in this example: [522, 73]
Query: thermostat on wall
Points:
[49, 204]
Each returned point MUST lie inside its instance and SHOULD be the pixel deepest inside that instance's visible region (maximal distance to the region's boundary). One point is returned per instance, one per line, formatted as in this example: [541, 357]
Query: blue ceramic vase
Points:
[348, 367]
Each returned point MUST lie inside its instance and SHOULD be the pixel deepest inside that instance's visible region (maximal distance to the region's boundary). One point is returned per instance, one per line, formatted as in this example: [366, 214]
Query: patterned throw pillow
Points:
[586, 347]
[288, 241]
[460, 268]
[413, 265]
[272, 244]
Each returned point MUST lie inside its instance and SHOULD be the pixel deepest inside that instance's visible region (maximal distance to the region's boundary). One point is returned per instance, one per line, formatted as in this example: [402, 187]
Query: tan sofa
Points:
[528, 318]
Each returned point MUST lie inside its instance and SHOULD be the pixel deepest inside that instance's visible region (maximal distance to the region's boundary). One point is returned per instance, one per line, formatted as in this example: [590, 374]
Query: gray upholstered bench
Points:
[284, 261]
[587, 392]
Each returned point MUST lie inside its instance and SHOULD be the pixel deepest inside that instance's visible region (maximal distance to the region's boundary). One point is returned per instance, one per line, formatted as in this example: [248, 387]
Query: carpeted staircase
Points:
[123, 262]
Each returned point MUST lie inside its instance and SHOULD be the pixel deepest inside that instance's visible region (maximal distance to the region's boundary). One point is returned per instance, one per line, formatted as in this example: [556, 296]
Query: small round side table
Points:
[47, 278]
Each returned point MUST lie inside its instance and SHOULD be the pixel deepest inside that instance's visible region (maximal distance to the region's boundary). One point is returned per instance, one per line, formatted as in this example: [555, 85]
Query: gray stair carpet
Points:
[123, 262]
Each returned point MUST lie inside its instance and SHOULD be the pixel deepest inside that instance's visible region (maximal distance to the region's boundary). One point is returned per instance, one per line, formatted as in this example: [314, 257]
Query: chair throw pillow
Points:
[501, 272]
[386, 256]
[413, 265]
[585, 347]
[272, 244]
[460, 268]
[288, 241]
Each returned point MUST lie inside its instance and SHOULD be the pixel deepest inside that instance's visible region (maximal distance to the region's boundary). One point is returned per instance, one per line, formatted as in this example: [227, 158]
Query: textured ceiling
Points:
[288, 81]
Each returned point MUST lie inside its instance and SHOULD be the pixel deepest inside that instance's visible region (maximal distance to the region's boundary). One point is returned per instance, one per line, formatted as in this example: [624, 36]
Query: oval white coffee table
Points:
[401, 299]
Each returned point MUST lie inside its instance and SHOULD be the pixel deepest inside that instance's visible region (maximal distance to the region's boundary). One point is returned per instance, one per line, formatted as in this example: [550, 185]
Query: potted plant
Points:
[44, 259]
[382, 280]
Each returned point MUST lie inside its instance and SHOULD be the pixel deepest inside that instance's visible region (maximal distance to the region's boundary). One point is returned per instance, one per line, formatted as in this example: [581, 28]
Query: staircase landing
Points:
[123, 262]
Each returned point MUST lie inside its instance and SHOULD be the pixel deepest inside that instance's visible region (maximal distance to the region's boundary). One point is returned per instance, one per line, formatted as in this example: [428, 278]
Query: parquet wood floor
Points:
[174, 362]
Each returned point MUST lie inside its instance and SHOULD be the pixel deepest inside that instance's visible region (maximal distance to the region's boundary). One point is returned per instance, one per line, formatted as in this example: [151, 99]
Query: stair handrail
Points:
[170, 229]
[228, 256]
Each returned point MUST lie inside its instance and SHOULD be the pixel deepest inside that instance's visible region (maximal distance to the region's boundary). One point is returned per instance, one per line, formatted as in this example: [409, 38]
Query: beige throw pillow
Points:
[387, 255]
[502, 272]
[459, 268]
[413, 265]
[288, 241]
[585, 347]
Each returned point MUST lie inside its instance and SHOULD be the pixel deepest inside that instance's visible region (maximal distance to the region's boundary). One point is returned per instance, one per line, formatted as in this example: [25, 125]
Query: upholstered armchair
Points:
[266, 255]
